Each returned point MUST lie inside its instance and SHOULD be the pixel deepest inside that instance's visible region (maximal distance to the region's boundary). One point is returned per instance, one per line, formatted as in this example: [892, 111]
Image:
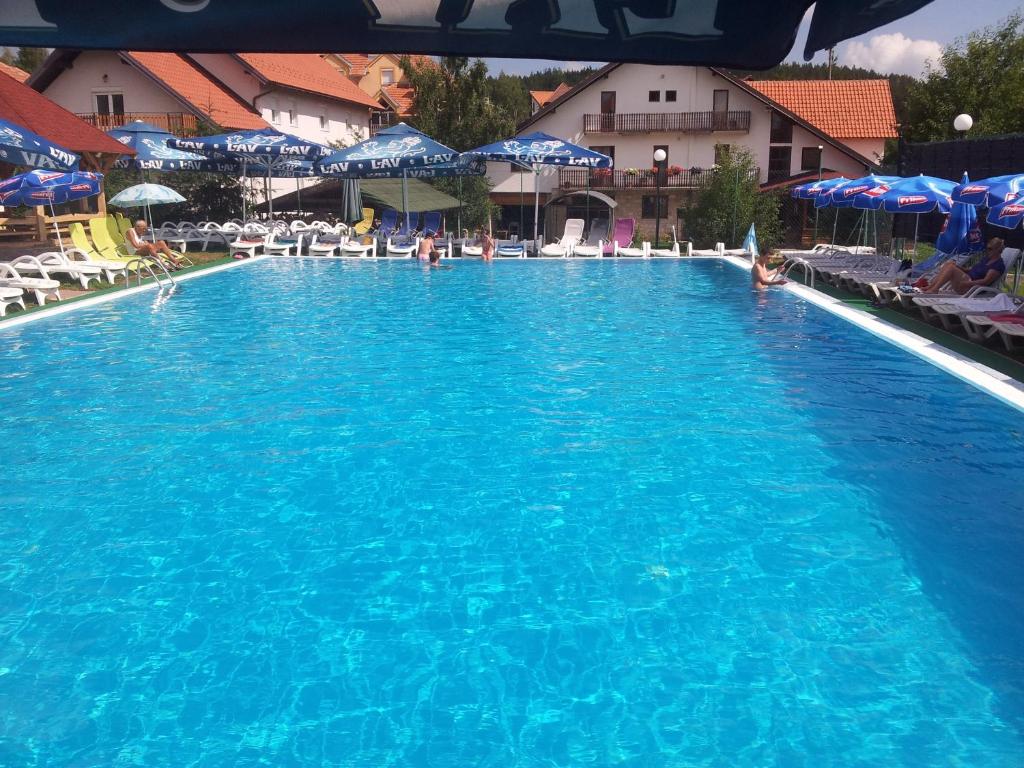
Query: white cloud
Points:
[891, 54]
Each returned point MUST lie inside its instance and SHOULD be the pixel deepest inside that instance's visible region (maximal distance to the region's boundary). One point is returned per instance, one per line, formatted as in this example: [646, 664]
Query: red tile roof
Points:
[22, 106]
[307, 72]
[402, 97]
[844, 109]
[544, 97]
[194, 87]
[11, 71]
[357, 62]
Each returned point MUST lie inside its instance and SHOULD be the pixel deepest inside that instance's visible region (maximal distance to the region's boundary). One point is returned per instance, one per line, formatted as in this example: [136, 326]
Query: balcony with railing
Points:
[178, 123]
[576, 178]
[381, 120]
[668, 122]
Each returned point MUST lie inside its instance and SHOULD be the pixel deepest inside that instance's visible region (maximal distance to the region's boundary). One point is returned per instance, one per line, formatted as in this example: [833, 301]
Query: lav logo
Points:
[905, 201]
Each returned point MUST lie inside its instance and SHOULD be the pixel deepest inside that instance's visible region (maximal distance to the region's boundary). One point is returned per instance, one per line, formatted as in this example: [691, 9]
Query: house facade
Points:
[381, 76]
[695, 115]
[186, 94]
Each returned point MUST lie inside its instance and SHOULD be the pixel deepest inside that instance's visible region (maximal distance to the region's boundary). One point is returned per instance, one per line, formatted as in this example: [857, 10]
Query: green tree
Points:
[454, 105]
[208, 196]
[7, 56]
[725, 208]
[511, 97]
[30, 59]
[980, 75]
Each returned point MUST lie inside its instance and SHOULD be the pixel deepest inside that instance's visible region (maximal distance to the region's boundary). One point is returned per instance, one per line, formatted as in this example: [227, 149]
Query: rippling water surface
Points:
[519, 514]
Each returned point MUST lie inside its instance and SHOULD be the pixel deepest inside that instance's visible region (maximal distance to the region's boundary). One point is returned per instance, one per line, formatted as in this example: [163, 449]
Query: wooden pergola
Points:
[21, 105]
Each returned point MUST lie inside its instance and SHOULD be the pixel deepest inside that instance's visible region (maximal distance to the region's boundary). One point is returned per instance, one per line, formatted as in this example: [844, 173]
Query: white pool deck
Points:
[995, 383]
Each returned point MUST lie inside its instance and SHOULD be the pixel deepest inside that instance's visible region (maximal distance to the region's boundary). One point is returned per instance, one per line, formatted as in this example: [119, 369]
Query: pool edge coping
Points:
[1001, 386]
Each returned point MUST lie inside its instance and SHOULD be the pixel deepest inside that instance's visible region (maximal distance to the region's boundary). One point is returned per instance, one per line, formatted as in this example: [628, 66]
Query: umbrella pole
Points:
[588, 204]
[835, 223]
[460, 207]
[270, 198]
[917, 221]
[536, 202]
[405, 199]
[522, 206]
[243, 191]
[56, 229]
[298, 197]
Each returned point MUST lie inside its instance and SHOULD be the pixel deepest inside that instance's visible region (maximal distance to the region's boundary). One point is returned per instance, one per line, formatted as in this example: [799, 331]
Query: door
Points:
[720, 107]
[608, 111]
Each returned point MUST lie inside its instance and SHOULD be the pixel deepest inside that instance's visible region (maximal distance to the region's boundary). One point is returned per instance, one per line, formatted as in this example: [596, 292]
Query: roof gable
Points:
[307, 72]
[28, 108]
[400, 97]
[845, 109]
[192, 85]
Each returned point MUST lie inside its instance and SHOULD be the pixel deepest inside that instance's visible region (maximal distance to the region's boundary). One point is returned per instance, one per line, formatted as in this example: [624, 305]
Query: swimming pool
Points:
[338, 513]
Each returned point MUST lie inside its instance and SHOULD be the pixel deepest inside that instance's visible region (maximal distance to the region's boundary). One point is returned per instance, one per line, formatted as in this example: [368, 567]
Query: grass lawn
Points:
[71, 290]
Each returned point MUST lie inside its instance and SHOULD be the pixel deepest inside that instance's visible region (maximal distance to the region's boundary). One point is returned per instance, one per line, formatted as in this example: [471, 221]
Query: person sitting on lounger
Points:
[761, 277]
[138, 246]
[986, 272]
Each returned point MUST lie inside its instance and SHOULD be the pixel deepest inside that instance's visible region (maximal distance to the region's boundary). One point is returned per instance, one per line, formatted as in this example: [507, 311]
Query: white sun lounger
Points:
[9, 297]
[359, 247]
[42, 288]
[52, 262]
[570, 237]
[402, 247]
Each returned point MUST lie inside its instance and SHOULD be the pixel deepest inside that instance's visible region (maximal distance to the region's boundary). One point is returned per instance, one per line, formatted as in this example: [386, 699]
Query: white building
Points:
[301, 94]
[695, 114]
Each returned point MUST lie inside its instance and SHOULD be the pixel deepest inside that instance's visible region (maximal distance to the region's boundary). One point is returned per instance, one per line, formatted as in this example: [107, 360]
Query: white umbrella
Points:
[145, 195]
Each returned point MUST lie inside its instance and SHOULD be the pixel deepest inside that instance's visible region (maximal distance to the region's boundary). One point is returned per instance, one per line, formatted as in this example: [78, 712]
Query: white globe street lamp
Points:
[659, 157]
[963, 122]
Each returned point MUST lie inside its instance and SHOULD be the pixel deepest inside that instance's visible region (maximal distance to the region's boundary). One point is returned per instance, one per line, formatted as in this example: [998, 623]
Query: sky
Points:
[902, 47]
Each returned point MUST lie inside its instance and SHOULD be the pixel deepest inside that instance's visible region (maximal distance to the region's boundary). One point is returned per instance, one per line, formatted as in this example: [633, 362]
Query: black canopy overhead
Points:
[736, 33]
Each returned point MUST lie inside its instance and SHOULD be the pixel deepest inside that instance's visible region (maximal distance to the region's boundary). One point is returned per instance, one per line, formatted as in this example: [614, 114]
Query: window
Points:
[722, 153]
[779, 161]
[647, 210]
[324, 123]
[109, 103]
[607, 102]
[670, 95]
[605, 149]
[721, 101]
[275, 116]
[654, 95]
[293, 116]
[810, 158]
[387, 76]
[782, 129]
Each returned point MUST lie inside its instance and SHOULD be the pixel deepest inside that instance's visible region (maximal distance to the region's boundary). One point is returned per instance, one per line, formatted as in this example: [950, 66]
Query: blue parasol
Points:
[538, 148]
[49, 188]
[815, 188]
[19, 146]
[960, 232]
[842, 195]
[989, 192]
[397, 148]
[274, 153]
[153, 154]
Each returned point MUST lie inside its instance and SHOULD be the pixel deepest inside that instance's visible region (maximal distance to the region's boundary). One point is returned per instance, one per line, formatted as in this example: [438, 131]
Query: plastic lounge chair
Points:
[83, 250]
[278, 245]
[670, 253]
[594, 246]
[364, 226]
[950, 314]
[923, 303]
[431, 222]
[622, 240]
[506, 249]
[362, 246]
[9, 297]
[981, 327]
[252, 237]
[325, 244]
[388, 222]
[42, 288]
[571, 235]
[54, 263]
[622, 232]
[409, 227]
[402, 247]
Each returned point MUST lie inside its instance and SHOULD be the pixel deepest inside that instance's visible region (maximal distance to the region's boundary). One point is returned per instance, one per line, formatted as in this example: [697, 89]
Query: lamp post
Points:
[659, 158]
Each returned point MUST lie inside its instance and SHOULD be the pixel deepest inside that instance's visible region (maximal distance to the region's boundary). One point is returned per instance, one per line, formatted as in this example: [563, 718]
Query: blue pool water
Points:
[520, 514]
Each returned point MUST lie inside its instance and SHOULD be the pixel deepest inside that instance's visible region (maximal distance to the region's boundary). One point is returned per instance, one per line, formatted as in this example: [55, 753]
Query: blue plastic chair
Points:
[409, 226]
[388, 221]
[431, 222]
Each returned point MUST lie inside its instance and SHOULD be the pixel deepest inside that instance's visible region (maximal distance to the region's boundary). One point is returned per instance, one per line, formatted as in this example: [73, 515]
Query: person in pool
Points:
[986, 272]
[761, 277]
[486, 243]
[426, 249]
